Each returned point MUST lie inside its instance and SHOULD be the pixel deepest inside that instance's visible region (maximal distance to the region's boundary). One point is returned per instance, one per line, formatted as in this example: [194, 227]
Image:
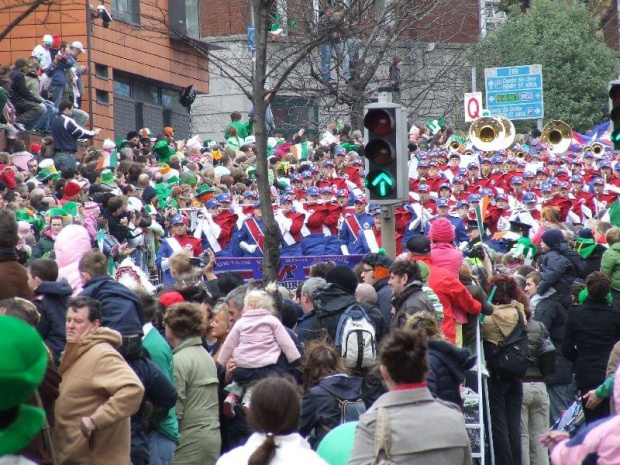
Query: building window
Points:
[126, 10]
[122, 86]
[292, 113]
[192, 18]
[102, 71]
[103, 97]
[184, 18]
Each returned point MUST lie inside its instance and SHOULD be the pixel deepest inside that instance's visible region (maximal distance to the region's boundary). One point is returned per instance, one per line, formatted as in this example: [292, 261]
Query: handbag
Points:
[546, 353]
[383, 439]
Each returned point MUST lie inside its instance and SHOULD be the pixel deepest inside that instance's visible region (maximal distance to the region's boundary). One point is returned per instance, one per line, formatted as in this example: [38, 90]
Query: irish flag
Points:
[301, 150]
[612, 215]
[108, 160]
[481, 211]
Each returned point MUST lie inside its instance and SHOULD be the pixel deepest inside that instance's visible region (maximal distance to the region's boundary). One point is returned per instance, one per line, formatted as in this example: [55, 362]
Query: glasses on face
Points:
[368, 270]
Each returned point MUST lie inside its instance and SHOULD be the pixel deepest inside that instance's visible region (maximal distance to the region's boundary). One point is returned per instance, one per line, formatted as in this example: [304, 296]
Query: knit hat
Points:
[553, 238]
[380, 262]
[441, 231]
[169, 298]
[35, 148]
[22, 368]
[91, 209]
[419, 245]
[343, 277]
[72, 188]
[109, 144]
[584, 233]
[148, 193]
[168, 131]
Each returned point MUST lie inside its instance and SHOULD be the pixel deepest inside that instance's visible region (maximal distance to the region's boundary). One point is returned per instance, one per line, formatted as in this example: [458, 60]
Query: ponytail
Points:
[265, 452]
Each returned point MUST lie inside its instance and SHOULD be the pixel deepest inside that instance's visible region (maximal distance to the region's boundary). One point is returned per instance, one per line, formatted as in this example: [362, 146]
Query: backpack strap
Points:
[383, 437]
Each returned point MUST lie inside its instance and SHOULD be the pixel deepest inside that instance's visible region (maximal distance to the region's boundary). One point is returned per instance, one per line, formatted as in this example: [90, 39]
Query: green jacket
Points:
[161, 355]
[43, 249]
[243, 129]
[197, 408]
[610, 265]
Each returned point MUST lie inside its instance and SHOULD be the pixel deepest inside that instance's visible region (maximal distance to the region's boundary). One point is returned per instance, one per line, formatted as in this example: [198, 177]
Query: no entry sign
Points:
[473, 106]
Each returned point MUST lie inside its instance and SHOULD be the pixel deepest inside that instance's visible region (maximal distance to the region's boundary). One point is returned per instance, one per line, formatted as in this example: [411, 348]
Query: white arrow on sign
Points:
[473, 106]
[491, 85]
[491, 99]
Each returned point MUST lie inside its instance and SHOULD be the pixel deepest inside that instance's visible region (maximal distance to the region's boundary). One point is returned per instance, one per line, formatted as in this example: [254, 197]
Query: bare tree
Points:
[29, 7]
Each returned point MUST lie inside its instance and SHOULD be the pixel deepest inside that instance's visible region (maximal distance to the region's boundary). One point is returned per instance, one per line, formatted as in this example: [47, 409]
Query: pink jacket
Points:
[256, 340]
[70, 246]
[446, 255]
[602, 440]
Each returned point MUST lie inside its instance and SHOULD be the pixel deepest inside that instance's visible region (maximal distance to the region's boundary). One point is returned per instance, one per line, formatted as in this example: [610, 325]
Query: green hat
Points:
[45, 174]
[163, 151]
[56, 212]
[120, 142]
[72, 208]
[203, 189]
[107, 177]
[24, 215]
[150, 210]
[163, 192]
[22, 368]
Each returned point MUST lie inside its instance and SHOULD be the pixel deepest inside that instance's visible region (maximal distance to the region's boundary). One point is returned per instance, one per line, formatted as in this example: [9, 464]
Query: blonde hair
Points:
[221, 309]
[427, 322]
[179, 261]
[259, 299]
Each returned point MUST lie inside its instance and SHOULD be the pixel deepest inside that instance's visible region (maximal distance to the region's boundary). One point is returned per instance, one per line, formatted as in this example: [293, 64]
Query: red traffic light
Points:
[379, 122]
[380, 152]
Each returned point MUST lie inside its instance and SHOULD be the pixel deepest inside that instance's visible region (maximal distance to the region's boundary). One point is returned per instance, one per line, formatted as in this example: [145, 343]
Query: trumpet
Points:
[456, 146]
[558, 134]
[597, 148]
[520, 154]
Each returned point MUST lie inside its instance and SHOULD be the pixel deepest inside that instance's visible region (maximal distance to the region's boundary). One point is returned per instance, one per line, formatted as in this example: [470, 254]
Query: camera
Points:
[201, 261]
[106, 17]
[477, 252]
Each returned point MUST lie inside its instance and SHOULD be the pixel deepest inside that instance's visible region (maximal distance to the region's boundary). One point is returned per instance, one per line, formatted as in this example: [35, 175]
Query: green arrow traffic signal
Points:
[381, 183]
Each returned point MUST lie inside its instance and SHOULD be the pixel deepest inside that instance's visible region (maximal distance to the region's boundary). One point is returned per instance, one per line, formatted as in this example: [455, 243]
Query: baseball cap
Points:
[442, 202]
[576, 178]
[48, 39]
[179, 219]
[462, 203]
[374, 209]
[473, 198]
[327, 163]
[250, 193]
[326, 190]
[212, 203]
[598, 181]
[77, 44]
[529, 197]
[342, 193]
[528, 175]
[224, 197]
[312, 190]
[361, 198]
[516, 180]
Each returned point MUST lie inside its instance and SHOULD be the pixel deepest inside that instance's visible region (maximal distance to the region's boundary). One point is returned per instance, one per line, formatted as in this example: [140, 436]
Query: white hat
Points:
[109, 144]
[77, 44]
[48, 39]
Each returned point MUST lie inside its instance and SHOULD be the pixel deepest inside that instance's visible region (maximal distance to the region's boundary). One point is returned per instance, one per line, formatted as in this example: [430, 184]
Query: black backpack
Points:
[508, 359]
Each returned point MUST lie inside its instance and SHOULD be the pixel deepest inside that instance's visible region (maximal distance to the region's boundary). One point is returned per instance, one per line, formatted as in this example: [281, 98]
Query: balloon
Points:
[336, 446]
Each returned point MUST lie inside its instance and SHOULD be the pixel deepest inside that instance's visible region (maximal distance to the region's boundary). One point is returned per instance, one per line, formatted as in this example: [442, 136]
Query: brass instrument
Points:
[520, 154]
[456, 146]
[597, 148]
[491, 133]
[558, 134]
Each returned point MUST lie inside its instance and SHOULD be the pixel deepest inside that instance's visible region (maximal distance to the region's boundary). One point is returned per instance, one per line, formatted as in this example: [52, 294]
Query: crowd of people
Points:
[134, 347]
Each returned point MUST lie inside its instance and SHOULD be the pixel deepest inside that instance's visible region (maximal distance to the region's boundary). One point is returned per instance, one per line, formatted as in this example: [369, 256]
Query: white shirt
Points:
[43, 55]
[292, 449]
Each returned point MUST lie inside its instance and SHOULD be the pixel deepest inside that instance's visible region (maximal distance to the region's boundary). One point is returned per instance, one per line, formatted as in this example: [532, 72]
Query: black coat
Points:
[53, 310]
[592, 330]
[160, 396]
[320, 409]
[121, 309]
[448, 366]
[560, 267]
[550, 312]
[331, 301]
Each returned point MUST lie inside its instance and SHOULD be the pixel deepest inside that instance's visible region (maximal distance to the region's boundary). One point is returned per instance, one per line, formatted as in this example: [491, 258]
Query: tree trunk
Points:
[271, 252]
[23, 15]
[356, 109]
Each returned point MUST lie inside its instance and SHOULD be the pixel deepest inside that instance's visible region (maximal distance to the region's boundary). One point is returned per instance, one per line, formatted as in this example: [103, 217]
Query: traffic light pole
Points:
[388, 230]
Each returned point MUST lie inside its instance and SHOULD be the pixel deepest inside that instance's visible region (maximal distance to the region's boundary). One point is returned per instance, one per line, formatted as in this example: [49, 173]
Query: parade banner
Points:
[293, 270]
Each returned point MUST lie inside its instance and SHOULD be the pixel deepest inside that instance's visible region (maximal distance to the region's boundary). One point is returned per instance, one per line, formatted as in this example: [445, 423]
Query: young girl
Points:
[256, 342]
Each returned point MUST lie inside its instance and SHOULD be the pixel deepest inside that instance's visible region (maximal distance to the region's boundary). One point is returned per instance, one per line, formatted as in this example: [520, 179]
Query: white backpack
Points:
[356, 338]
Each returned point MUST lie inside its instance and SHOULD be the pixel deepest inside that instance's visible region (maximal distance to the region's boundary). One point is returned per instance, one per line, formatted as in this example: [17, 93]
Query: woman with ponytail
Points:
[274, 416]
[408, 424]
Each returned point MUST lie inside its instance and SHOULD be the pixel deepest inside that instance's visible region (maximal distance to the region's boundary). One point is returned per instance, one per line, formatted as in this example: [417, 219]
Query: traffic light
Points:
[614, 113]
[386, 153]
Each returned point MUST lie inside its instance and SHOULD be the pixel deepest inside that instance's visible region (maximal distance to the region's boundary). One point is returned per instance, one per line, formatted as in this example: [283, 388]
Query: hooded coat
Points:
[51, 302]
[14, 276]
[610, 265]
[410, 301]
[448, 366]
[559, 269]
[97, 383]
[71, 245]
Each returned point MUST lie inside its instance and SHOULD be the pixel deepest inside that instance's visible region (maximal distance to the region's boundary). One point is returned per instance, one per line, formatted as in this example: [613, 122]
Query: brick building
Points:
[136, 67]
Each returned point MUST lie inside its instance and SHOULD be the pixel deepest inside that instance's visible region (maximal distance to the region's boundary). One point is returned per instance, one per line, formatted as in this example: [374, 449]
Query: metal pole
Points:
[89, 64]
[473, 79]
[253, 51]
[539, 124]
[388, 231]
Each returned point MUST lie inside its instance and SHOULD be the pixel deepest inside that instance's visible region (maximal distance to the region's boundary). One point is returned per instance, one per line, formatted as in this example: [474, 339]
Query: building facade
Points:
[136, 64]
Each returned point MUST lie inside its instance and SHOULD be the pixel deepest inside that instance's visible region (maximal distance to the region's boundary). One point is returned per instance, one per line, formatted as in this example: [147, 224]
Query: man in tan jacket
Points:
[98, 392]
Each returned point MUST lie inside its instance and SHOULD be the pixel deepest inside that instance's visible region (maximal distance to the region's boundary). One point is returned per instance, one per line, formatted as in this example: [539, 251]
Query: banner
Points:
[293, 270]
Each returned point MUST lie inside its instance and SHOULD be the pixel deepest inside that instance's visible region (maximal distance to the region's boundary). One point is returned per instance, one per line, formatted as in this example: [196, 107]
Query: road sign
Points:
[251, 39]
[515, 92]
[473, 106]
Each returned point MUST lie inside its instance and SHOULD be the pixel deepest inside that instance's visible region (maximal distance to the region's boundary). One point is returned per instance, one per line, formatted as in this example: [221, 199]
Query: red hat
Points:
[441, 231]
[72, 188]
[168, 131]
[35, 147]
[169, 298]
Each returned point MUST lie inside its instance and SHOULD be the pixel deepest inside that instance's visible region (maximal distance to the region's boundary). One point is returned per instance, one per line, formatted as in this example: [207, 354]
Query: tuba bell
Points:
[509, 131]
[558, 134]
[597, 148]
[487, 134]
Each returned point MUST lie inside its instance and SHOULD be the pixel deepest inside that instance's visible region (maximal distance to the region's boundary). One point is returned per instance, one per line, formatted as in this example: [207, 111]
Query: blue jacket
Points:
[160, 395]
[53, 310]
[346, 236]
[459, 229]
[559, 269]
[320, 407]
[120, 307]
[244, 235]
[57, 70]
[66, 132]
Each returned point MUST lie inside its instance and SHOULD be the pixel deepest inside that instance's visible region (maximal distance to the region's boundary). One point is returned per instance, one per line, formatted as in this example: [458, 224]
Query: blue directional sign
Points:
[251, 39]
[515, 92]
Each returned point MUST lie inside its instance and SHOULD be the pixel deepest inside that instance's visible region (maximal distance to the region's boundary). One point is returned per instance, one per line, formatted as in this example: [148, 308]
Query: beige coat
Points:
[424, 431]
[97, 383]
[498, 326]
